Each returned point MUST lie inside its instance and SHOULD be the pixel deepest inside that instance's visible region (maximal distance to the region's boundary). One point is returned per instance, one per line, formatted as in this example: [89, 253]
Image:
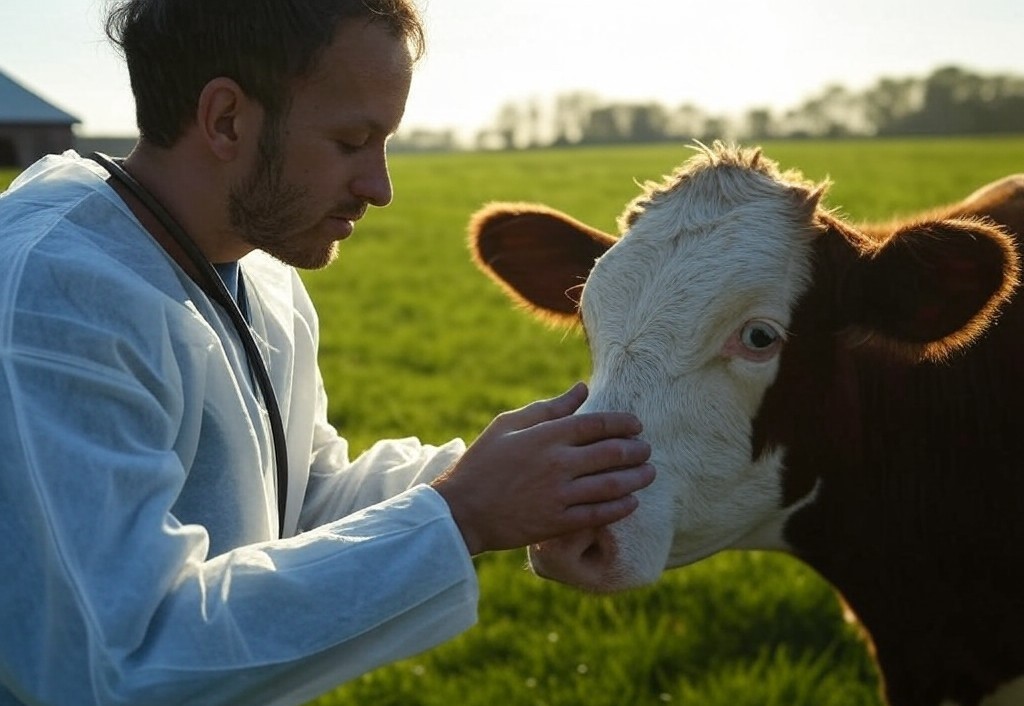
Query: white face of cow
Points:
[685, 318]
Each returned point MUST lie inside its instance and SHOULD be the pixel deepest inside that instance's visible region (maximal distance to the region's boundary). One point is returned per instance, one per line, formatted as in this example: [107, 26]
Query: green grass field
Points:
[416, 341]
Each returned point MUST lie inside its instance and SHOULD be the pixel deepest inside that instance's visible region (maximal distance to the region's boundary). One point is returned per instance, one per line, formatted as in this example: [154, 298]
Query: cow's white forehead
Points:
[719, 178]
[711, 245]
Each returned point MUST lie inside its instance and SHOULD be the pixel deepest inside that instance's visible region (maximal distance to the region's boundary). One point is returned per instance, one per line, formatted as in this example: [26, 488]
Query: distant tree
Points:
[890, 101]
[572, 116]
[947, 105]
[686, 122]
[956, 101]
[650, 122]
[610, 123]
[534, 128]
[835, 112]
[627, 122]
[716, 128]
[508, 125]
[1002, 109]
[760, 124]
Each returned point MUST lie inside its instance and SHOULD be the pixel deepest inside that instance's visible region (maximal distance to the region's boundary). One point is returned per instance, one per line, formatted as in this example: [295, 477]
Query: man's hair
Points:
[173, 48]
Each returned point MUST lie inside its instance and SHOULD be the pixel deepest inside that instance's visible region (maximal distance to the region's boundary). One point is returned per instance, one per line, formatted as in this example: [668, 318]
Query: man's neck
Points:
[192, 192]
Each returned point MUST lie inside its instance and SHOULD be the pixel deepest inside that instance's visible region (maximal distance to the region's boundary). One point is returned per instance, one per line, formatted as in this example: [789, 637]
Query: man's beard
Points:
[268, 213]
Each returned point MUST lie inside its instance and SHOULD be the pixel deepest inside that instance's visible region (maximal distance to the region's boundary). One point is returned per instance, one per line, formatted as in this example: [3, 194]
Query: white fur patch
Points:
[665, 309]
[682, 315]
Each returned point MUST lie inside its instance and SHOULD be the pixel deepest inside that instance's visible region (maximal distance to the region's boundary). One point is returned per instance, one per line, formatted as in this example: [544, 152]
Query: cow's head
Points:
[720, 270]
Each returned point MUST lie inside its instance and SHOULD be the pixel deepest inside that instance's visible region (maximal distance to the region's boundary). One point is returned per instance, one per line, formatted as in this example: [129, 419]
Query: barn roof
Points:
[21, 106]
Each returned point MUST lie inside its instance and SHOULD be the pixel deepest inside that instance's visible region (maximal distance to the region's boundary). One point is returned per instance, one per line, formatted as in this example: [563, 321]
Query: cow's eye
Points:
[759, 335]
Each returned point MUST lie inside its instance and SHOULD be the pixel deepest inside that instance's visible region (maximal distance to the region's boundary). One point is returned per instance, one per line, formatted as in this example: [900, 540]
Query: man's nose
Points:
[373, 183]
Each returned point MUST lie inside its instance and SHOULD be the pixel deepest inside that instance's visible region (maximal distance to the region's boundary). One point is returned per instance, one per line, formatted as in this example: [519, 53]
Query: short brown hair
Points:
[173, 48]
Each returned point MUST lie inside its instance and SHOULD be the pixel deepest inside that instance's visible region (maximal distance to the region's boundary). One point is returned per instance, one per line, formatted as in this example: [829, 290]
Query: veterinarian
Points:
[181, 524]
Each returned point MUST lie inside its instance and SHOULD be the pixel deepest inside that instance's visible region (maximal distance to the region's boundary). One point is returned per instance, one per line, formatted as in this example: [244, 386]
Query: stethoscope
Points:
[213, 285]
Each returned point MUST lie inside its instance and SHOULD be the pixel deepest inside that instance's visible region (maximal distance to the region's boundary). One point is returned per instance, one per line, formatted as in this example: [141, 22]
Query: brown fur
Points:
[907, 422]
[957, 277]
[918, 521]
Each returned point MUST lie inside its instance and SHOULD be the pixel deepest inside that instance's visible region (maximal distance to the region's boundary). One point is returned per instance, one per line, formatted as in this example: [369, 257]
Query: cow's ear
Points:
[930, 288]
[539, 256]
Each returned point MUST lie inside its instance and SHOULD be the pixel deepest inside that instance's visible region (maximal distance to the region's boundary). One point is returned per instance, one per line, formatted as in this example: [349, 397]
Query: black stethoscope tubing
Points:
[214, 286]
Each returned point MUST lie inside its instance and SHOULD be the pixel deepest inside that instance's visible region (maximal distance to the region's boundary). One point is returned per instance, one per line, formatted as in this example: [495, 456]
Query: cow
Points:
[849, 394]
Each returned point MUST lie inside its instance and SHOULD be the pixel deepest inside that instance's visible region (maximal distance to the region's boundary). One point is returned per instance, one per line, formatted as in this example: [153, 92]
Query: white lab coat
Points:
[140, 563]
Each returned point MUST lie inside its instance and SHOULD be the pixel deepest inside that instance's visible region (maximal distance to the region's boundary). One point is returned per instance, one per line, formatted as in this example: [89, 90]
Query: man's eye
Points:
[349, 146]
[349, 142]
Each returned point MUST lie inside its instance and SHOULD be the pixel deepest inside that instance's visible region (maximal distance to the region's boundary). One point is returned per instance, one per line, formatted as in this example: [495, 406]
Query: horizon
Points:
[745, 56]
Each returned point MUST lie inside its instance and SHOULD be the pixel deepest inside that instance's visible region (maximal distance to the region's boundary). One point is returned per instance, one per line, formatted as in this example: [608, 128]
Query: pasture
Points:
[408, 321]
[416, 341]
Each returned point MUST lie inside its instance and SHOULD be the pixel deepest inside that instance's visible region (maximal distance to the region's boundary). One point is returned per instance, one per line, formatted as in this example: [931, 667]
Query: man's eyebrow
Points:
[368, 125]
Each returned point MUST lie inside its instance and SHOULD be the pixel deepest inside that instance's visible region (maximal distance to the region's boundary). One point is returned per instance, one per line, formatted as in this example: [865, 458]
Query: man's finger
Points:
[581, 517]
[606, 455]
[548, 410]
[609, 486]
[585, 429]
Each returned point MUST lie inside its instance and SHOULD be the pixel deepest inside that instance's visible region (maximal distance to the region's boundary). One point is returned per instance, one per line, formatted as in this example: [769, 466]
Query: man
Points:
[140, 500]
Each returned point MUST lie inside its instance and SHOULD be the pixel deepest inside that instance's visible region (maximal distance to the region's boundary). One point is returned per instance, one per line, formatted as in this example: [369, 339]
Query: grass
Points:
[416, 341]
[722, 632]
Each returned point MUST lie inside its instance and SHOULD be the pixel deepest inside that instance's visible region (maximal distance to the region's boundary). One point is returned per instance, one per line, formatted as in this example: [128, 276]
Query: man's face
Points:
[317, 170]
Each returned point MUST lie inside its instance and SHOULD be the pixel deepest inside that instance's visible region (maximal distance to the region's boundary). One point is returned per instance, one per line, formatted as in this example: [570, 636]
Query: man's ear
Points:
[227, 118]
[539, 256]
[931, 288]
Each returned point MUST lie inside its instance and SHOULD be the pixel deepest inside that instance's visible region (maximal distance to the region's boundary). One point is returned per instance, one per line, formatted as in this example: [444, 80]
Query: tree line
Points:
[949, 101]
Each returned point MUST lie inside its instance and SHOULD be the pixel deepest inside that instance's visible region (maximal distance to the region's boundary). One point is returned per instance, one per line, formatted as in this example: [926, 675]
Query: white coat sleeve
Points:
[107, 598]
[338, 486]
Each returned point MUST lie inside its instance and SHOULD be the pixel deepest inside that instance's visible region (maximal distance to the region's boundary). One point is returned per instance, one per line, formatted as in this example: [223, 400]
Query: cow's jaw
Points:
[750, 517]
[687, 514]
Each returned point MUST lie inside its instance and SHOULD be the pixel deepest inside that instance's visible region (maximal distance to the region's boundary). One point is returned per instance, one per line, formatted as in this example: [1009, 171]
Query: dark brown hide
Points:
[918, 521]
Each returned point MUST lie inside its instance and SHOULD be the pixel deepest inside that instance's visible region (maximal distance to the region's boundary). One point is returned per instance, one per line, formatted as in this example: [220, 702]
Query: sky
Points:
[724, 56]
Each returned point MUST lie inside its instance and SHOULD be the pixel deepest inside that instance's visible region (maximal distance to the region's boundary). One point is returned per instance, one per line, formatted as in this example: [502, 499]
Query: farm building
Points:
[30, 127]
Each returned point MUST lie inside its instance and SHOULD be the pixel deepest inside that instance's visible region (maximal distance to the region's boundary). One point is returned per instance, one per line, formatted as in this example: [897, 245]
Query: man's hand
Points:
[540, 472]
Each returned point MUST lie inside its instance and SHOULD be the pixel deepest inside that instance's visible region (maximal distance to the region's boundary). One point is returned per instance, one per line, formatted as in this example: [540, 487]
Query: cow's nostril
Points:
[593, 553]
[599, 551]
[583, 559]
